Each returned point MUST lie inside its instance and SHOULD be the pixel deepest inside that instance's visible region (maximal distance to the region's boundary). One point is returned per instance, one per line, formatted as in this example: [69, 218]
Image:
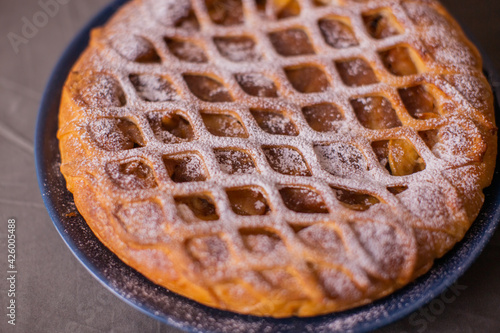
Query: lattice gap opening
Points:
[356, 72]
[256, 84]
[225, 12]
[382, 23]
[287, 161]
[248, 201]
[132, 175]
[354, 200]
[400, 60]
[307, 79]
[234, 162]
[291, 42]
[153, 88]
[337, 32]
[303, 200]
[196, 207]
[419, 102]
[260, 240]
[185, 168]
[375, 112]
[224, 124]
[136, 48]
[398, 156]
[116, 134]
[207, 89]
[186, 51]
[324, 117]
[237, 48]
[274, 122]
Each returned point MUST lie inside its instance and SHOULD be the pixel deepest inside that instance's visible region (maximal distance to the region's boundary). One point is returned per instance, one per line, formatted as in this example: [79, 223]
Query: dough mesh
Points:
[278, 147]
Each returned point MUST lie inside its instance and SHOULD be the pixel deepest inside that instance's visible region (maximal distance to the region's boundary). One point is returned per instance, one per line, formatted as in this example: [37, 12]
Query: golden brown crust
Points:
[219, 169]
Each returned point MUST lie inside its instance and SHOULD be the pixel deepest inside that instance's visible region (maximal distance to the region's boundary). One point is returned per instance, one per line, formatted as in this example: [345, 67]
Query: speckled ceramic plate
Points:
[190, 316]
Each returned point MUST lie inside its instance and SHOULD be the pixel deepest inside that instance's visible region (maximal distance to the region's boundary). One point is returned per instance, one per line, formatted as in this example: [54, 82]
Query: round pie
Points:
[279, 157]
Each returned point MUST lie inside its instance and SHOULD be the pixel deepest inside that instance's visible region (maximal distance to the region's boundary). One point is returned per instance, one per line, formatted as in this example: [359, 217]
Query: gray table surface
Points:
[54, 291]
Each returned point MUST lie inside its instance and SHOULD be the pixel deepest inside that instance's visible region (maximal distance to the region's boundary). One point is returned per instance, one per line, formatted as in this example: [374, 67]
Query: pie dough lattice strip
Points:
[282, 224]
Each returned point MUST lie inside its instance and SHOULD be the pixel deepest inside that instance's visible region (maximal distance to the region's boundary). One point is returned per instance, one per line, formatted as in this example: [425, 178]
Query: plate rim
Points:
[53, 87]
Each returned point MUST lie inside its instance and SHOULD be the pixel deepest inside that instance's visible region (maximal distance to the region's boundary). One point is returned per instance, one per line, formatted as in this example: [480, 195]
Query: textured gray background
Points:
[55, 293]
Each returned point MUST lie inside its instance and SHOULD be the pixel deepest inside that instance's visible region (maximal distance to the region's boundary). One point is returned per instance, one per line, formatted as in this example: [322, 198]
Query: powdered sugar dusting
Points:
[153, 88]
[142, 220]
[248, 140]
[107, 134]
[341, 160]
[287, 161]
[257, 85]
[237, 48]
[168, 12]
[235, 162]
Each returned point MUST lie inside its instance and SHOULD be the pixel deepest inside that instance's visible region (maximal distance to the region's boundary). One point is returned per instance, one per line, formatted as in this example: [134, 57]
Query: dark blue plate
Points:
[190, 316]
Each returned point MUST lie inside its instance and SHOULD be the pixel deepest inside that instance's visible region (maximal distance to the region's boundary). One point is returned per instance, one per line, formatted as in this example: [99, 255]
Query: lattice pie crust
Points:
[279, 157]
